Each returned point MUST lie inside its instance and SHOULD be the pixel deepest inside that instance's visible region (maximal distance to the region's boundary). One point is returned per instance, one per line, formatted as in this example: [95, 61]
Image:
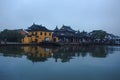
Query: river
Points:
[60, 63]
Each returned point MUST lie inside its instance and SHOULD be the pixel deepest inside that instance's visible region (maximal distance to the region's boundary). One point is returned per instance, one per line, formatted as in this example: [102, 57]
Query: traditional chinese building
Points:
[64, 34]
[67, 35]
[37, 34]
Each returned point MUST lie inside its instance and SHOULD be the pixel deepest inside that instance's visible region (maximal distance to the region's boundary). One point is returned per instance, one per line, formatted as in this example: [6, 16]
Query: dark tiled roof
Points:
[35, 27]
[78, 34]
[56, 29]
[67, 28]
[21, 31]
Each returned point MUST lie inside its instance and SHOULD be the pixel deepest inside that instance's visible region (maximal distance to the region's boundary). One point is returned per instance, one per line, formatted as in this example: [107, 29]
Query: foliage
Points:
[99, 34]
[10, 36]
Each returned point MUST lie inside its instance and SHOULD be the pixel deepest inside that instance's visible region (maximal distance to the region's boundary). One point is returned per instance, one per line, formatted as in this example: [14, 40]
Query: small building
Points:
[112, 39]
[21, 31]
[36, 34]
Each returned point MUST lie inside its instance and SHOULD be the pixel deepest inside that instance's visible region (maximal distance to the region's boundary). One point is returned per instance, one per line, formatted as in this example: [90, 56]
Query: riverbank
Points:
[53, 44]
[30, 44]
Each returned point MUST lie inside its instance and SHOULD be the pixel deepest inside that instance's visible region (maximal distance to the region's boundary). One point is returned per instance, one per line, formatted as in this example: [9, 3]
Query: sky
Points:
[81, 15]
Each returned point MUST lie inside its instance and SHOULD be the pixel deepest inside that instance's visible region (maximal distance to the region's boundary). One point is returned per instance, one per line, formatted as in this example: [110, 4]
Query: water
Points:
[60, 63]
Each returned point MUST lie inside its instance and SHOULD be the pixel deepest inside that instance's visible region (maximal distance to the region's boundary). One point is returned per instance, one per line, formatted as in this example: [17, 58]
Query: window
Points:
[32, 33]
[41, 33]
[49, 34]
[38, 33]
[35, 33]
[45, 33]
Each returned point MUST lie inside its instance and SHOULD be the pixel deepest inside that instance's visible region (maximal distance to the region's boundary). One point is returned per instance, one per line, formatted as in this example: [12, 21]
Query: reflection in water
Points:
[36, 53]
[41, 54]
[11, 51]
[67, 53]
[80, 63]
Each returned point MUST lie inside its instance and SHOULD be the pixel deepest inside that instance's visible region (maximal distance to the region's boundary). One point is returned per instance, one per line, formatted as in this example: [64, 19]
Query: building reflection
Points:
[67, 53]
[63, 53]
[36, 53]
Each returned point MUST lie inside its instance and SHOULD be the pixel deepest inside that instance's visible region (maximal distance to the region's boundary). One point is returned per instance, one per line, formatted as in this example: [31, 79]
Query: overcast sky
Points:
[85, 15]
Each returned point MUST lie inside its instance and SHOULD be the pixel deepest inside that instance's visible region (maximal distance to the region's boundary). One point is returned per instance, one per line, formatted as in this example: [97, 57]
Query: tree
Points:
[10, 35]
[98, 34]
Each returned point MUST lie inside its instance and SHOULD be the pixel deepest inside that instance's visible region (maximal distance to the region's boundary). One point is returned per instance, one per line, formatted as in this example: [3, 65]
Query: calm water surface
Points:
[60, 63]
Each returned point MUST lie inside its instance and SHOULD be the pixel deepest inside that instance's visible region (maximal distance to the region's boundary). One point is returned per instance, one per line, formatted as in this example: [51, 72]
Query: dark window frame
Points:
[49, 34]
[45, 33]
[41, 33]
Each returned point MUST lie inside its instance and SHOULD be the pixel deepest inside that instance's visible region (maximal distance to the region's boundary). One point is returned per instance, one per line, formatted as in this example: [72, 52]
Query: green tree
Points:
[98, 34]
[10, 35]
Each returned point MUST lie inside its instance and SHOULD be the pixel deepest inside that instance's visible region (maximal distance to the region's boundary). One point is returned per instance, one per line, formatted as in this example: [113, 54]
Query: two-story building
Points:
[36, 34]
